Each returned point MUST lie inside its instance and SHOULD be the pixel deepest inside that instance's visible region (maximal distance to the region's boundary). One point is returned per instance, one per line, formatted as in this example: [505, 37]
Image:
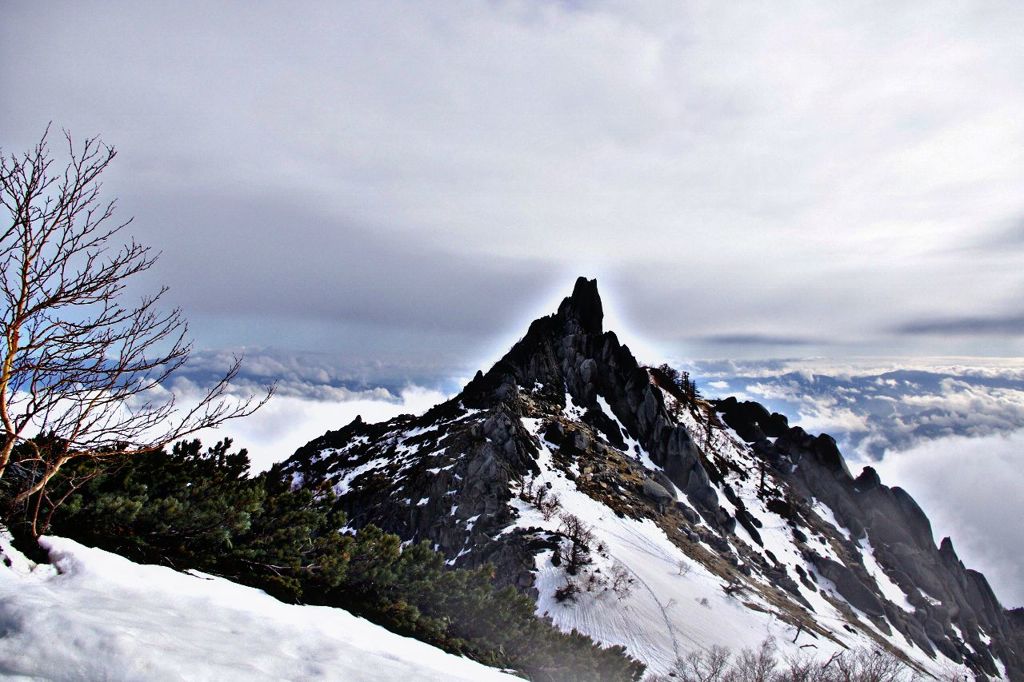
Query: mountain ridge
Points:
[715, 485]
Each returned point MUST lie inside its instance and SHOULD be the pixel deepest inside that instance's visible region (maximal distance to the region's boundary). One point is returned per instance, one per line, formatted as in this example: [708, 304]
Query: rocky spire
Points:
[584, 305]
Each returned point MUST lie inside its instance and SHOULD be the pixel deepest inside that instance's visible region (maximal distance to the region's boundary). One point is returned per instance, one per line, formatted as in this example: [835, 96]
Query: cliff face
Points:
[705, 523]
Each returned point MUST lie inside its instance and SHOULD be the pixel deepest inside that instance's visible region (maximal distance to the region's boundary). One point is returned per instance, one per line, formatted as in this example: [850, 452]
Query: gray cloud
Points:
[272, 258]
[1000, 237]
[703, 159]
[760, 340]
[1010, 325]
[319, 375]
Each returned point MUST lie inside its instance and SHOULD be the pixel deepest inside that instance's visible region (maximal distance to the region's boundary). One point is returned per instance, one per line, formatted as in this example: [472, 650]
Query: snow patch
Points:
[344, 483]
[889, 589]
[105, 618]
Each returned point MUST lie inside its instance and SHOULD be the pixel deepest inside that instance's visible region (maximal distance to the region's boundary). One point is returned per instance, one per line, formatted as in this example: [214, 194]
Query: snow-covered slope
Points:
[705, 524]
[677, 600]
[92, 615]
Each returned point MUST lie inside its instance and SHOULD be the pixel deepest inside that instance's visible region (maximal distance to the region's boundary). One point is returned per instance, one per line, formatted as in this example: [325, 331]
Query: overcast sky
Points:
[411, 183]
[385, 194]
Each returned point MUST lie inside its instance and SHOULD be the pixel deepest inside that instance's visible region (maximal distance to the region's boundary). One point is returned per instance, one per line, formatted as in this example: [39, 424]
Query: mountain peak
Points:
[568, 428]
[584, 305]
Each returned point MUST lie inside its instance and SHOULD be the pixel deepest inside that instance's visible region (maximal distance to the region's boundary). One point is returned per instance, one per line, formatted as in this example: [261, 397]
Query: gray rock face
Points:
[868, 480]
[584, 306]
[457, 488]
[657, 492]
[570, 349]
[849, 586]
[666, 483]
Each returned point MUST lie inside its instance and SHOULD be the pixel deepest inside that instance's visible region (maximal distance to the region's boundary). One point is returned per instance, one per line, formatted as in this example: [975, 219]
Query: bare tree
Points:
[757, 665]
[622, 581]
[580, 535]
[712, 424]
[81, 369]
[717, 664]
[705, 666]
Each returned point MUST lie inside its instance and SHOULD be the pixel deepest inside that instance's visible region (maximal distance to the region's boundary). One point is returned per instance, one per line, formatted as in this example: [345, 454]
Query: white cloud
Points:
[875, 405]
[1011, 368]
[825, 417]
[978, 410]
[287, 422]
[970, 488]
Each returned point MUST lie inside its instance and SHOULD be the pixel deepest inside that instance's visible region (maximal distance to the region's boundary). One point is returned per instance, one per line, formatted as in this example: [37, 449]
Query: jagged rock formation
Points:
[950, 602]
[763, 517]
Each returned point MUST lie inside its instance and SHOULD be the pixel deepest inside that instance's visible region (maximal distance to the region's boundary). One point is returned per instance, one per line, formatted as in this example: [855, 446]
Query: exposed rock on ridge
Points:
[570, 350]
[950, 601]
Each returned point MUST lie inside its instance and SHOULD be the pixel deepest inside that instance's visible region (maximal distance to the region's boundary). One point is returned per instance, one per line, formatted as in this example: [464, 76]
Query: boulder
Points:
[687, 511]
[666, 483]
[657, 493]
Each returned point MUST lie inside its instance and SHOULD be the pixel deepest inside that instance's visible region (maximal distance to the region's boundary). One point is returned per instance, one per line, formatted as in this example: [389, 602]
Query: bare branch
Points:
[78, 362]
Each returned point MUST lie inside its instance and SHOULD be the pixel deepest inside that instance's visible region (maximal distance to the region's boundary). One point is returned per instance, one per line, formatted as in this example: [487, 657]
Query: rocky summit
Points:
[641, 514]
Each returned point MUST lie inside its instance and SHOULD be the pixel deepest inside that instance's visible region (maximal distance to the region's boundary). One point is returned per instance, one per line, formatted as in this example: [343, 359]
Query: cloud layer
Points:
[876, 406]
[288, 422]
[406, 179]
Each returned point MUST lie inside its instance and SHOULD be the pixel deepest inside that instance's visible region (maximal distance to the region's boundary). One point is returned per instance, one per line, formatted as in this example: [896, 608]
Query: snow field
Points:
[92, 615]
[666, 614]
[670, 610]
